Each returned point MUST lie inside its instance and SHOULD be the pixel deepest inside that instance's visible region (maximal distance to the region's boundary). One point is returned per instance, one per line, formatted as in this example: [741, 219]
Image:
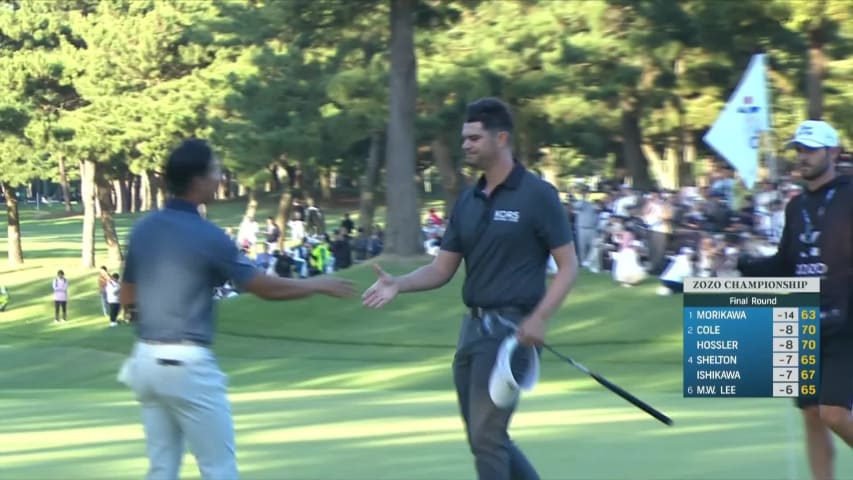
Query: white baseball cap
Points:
[504, 388]
[815, 134]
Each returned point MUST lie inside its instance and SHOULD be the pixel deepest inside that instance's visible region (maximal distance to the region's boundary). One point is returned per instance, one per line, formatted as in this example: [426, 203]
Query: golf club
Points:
[598, 378]
[613, 387]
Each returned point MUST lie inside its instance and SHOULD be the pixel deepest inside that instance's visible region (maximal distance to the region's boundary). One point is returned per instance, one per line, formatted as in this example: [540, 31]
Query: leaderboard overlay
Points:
[751, 337]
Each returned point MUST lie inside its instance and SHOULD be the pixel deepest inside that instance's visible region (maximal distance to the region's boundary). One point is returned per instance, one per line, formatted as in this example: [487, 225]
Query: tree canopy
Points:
[307, 87]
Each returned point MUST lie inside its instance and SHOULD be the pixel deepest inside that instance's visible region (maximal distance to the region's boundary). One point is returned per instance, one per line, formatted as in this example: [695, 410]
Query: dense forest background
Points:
[365, 99]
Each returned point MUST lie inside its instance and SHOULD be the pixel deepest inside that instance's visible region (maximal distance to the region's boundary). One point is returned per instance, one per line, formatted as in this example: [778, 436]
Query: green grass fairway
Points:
[324, 389]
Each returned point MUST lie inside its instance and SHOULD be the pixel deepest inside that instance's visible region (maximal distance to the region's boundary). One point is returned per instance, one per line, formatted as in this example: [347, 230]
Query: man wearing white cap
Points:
[505, 227]
[817, 241]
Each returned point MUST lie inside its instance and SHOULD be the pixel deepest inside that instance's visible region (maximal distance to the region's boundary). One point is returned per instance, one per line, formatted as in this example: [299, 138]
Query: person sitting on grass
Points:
[627, 270]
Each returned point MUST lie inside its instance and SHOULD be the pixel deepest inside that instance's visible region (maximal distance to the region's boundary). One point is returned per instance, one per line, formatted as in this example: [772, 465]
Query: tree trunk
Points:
[282, 215]
[63, 180]
[223, 189]
[635, 161]
[107, 207]
[13, 228]
[672, 164]
[275, 183]
[153, 193]
[161, 191]
[290, 170]
[688, 160]
[127, 184]
[252, 203]
[817, 71]
[451, 176]
[309, 183]
[367, 195]
[326, 184]
[87, 189]
[402, 233]
[145, 195]
[134, 193]
[120, 188]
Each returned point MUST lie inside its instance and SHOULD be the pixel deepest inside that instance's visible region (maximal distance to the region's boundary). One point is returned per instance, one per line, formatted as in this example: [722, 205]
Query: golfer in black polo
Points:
[505, 227]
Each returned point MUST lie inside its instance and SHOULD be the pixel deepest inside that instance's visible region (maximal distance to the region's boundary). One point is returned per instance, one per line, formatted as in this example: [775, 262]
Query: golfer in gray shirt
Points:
[175, 258]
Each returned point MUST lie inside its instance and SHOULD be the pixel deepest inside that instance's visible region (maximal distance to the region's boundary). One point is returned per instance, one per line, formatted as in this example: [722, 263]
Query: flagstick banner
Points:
[736, 134]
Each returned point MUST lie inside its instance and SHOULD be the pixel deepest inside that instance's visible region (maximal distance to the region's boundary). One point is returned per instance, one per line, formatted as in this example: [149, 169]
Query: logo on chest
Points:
[809, 238]
[506, 216]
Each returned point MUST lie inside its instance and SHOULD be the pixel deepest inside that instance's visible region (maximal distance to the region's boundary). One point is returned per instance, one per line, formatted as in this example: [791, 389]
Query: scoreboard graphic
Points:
[751, 337]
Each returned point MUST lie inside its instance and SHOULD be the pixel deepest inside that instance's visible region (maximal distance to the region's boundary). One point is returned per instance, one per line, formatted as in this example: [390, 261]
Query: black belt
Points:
[169, 362]
[489, 318]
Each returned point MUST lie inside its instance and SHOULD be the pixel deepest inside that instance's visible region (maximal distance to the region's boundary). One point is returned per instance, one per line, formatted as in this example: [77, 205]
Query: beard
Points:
[479, 160]
[813, 173]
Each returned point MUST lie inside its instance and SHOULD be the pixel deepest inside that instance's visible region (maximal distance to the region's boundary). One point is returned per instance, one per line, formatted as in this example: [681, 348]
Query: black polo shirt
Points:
[506, 239]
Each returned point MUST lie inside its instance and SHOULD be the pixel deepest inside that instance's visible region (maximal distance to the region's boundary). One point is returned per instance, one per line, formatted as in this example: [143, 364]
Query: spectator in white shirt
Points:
[247, 235]
[297, 227]
[60, 296]
[112, 291]
[624, 202]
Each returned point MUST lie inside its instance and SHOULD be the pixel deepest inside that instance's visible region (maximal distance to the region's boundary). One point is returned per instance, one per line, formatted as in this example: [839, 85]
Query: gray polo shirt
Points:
[175, 258]
[506, 239]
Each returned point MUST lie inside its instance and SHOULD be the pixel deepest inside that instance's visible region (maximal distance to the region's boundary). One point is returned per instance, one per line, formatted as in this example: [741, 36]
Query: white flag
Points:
[736, 135]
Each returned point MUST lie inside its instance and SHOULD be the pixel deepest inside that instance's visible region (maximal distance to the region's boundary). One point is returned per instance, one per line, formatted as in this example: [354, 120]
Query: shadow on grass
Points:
[380, 434]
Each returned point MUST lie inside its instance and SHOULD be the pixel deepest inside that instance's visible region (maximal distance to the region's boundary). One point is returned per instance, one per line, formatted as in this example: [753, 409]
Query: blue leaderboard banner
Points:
[751, 337]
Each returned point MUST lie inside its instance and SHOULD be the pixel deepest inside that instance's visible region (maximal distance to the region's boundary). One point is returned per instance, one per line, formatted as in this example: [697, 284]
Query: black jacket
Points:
[825, 250]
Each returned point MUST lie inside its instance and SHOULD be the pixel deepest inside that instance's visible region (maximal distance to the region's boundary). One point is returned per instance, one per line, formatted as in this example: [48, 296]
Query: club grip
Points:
[634, 400]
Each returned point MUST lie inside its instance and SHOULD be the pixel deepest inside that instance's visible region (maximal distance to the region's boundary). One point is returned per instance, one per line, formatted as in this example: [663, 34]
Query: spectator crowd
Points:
[673, 234]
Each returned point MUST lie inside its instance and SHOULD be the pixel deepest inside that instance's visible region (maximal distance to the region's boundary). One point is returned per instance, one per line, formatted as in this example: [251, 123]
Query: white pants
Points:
[183, 396]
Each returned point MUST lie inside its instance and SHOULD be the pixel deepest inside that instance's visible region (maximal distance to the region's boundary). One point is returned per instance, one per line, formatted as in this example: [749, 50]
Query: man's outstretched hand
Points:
[382, 291]
[334, 286]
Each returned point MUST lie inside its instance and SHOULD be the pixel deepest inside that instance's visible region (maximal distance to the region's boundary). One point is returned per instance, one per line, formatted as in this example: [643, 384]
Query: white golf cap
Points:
[503, 386]
[815, 134]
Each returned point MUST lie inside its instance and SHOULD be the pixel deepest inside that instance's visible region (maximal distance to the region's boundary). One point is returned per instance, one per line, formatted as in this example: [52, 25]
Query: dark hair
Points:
[115, 276]
[104, 269]
[491, 112]
[191, 159]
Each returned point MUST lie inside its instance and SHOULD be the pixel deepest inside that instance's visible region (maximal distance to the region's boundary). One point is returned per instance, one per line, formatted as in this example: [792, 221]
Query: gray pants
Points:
[496, 457]
[183, 396]
[586, 237]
